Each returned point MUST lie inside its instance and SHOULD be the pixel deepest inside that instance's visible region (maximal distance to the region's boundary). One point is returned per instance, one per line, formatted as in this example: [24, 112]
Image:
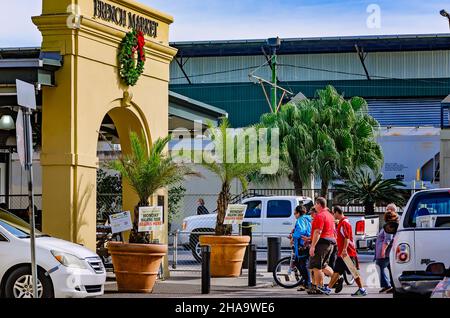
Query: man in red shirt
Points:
[322, 241]
[346, 248]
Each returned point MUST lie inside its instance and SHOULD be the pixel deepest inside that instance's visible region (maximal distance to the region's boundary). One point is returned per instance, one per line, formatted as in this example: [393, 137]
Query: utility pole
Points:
[274, 44]
[273, 62]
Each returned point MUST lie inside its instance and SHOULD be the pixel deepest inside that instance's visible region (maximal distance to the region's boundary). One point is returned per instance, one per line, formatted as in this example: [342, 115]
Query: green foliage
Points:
[227, 171]
[367, 188]
[108, 183]
[176, 194]
[328, 136]
[109, 193]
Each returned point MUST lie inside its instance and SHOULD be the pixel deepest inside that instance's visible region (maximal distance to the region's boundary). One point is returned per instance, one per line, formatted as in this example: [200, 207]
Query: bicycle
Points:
[286, 274]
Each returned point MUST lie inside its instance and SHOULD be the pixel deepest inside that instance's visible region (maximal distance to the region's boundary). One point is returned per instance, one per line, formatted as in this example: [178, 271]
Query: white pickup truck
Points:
[421, 242]
[271, 216]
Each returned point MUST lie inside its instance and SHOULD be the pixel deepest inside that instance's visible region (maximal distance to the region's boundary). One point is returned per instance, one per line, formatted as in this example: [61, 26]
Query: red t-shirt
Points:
[324, 222]
[344, 231]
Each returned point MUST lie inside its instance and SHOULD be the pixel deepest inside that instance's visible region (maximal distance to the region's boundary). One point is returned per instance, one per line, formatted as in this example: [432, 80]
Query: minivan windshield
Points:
[16, 226]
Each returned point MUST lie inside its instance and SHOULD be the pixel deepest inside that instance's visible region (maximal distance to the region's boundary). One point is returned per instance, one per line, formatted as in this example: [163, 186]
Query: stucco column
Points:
[445, 159]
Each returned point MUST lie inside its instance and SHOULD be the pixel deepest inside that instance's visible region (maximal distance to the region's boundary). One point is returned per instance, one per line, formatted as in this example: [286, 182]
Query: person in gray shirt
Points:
[382, 249]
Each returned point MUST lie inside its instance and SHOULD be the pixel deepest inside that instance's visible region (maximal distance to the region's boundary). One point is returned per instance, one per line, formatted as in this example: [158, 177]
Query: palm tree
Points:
[296, 143]
[367, 189]
[344, 137]
[148, 171]
[226, 171]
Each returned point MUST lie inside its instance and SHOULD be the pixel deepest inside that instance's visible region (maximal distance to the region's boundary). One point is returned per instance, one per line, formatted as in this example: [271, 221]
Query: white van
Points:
[65, 269]
[422, 239]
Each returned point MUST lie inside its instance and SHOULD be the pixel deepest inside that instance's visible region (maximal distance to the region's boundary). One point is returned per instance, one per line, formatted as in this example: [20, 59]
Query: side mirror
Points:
[391, 227]
[436, 269]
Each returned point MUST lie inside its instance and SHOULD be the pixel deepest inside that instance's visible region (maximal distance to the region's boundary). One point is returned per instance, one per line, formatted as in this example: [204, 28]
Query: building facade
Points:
[404, 78]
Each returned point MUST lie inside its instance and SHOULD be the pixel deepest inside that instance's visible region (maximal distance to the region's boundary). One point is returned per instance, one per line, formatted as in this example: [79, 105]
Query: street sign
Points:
[26, 97]
[235, 214]
[26, 94]
[120, 222]
[150, 218]
[20, 137]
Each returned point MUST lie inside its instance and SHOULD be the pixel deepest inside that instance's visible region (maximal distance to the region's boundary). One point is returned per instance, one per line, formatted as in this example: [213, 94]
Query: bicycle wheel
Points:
[284, 275]
[349, 279]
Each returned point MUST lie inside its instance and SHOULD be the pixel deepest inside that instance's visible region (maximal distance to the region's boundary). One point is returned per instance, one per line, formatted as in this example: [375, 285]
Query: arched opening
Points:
[113, 193]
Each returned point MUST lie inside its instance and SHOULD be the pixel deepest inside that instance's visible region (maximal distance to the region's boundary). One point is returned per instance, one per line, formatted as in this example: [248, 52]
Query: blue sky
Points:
[251, 19]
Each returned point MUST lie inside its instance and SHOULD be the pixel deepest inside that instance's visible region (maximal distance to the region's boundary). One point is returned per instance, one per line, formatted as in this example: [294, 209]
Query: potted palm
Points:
[137, 263]
[227, 251]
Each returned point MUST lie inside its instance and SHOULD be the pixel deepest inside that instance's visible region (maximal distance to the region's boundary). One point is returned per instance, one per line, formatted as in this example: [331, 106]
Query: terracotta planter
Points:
[227, 254]
[136, 265]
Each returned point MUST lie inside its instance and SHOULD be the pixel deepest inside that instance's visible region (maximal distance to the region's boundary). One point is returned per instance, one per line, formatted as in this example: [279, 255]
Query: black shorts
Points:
[321, 256]
[340, 266]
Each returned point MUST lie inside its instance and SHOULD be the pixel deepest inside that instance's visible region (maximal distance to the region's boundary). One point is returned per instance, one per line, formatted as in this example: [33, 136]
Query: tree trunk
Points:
[137, 237]
[369, 208]
[298, 184]
[222, 204]
[324, 189]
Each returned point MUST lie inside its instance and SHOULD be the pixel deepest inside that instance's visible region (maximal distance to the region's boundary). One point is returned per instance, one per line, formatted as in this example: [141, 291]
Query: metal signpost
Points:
[26, 98]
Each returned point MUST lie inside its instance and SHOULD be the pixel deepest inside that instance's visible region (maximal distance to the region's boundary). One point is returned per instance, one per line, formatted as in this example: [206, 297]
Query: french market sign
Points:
[123, 18]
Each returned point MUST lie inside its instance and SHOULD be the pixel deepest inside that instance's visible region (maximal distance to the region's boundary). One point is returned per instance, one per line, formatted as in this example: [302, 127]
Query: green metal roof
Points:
[245, 102]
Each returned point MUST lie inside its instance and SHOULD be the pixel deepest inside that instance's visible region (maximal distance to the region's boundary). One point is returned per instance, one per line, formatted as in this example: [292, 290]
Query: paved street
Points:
[187, 284]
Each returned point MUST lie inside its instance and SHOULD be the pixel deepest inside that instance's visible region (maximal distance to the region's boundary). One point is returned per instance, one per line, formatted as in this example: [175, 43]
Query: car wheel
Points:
[196, 248]
[19, 284]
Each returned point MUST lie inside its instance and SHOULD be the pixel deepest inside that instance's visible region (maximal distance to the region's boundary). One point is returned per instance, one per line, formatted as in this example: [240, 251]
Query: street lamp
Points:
[7, 123]
[445, 14]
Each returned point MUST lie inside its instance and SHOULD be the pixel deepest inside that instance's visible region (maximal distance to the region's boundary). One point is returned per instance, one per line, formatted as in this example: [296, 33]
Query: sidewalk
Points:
[188, 284]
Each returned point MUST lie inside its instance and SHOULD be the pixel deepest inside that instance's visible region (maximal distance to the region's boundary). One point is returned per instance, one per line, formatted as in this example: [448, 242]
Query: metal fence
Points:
[108, 203]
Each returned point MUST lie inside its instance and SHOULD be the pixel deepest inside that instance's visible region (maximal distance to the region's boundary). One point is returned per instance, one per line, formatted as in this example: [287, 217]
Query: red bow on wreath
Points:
[141, 44]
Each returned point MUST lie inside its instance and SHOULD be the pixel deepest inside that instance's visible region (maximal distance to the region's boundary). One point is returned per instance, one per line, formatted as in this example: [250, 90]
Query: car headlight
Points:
[69, 260]
[184, 226]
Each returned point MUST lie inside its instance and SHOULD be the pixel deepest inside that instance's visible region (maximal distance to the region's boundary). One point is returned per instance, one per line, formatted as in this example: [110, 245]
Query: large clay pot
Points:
[136, 265]
[227, 254]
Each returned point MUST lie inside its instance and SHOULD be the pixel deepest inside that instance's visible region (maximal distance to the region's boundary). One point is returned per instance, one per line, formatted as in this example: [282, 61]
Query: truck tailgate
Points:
[372, 225]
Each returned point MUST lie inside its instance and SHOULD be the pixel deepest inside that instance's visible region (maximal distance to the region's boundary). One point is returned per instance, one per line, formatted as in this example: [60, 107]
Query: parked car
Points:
[422, 239]
[65, 269]
[271, 216]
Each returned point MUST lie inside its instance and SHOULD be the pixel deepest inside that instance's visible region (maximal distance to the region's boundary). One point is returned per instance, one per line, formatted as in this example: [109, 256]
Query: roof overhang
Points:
[188, 110]
[382, 43]
[38, 70]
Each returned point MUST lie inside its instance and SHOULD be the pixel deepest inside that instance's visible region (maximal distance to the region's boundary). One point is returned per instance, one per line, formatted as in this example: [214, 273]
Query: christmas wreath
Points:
[130, 69]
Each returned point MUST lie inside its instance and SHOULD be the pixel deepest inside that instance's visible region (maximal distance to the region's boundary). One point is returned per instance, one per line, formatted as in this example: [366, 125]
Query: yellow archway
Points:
[88, 87]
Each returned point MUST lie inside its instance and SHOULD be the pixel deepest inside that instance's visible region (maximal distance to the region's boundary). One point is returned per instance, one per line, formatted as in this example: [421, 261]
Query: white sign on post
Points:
[235, 214]
[26, 94]
[150, 218]
[120, 222]
[20, 137]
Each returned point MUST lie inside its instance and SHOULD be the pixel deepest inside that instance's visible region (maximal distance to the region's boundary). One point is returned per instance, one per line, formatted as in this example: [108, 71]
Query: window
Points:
[2, 238]
[279, 209]
[430, 210]
[253, 210]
